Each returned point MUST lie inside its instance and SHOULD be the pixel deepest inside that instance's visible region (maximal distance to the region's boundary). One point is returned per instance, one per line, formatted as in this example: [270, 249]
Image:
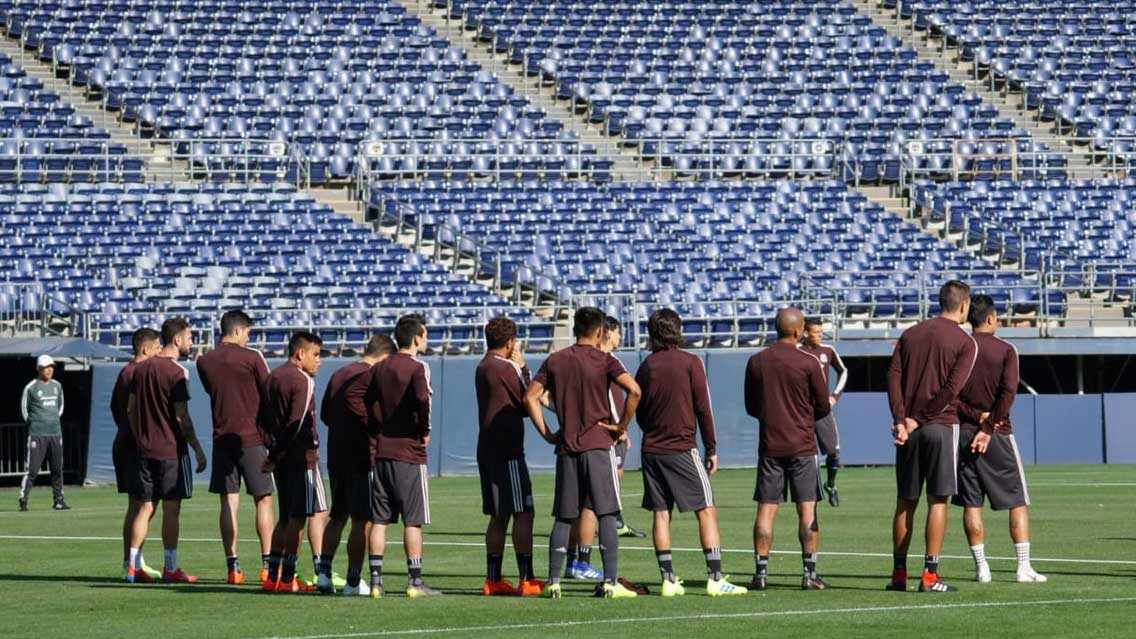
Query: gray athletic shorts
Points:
[505, 487]
[930, 455]
[676, 478]
[161, 479]
[778, 477]
[299, 490]
[586, 479]
[996, 474]
[400, 488]
[828, 437]
[350, 493]
[232, 462]
[620, 454]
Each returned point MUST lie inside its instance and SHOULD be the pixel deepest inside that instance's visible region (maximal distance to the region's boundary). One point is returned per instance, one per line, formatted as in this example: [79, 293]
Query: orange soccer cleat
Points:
[236, 577]
[263, 574]
[530, 587]
[295, 585]
[501, 587]
[178, 576]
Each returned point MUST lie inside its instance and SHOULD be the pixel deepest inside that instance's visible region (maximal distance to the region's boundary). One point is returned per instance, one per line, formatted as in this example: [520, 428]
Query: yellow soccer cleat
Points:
[617, 591]
[722, 588]
[673, 588]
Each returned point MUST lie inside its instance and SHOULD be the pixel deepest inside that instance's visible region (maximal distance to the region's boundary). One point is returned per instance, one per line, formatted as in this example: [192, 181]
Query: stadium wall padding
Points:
[1049, 428]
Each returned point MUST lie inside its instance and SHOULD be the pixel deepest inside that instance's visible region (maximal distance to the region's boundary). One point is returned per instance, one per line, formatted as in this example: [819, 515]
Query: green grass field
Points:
[60, 573]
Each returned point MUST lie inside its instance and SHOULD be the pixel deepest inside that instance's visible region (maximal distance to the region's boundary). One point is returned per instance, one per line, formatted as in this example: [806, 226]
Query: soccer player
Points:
[676, 399]
[289, 418]
[398, 400]
[928, 370]
[158, 410]
[124, 451]
[578, 378]
[234, 377]
[828, 437]
[506, 492]
[349, 460]
[41, 405]
[786, 392]
[989, 462]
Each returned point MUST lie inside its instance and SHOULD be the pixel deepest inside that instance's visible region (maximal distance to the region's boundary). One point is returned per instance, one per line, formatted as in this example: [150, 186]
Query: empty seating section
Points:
[127, 254]
[738, 87]
[326, 77]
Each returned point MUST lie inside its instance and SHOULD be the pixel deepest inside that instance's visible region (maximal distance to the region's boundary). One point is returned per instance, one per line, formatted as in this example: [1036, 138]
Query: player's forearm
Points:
[188, 433]
[629, 409]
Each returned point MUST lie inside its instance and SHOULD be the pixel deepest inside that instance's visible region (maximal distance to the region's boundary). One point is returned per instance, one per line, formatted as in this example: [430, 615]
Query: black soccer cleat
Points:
[833, 496]
[61, 505]
[628, 531]
[813, 582]
[23, 505]
[758, 583]
[898, 581]
[936, 586]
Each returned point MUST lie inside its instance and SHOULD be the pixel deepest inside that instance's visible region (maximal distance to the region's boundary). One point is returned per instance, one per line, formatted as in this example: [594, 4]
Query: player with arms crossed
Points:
[506, 491]
[785, 390]
[929, 368]
[989, 462]
[676, 399]
[578, 378]
[828, 437]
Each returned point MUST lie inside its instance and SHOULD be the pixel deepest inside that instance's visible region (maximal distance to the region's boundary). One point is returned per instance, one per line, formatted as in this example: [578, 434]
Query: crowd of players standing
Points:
[950, 395]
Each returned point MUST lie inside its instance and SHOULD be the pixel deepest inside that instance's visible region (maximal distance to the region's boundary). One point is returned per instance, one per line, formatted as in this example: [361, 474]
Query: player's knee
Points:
[833, 460]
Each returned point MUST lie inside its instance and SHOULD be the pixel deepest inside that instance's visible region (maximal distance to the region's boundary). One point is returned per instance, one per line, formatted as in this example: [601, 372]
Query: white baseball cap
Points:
[43, 361]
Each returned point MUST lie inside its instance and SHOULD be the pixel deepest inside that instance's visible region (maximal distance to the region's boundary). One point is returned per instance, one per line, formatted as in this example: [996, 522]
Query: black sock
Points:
[376, 562]
[493, 566]
[558, 548]
[525, 566]
[584, 554]
[325, 562]
[832, 464]
[288, 572]
[572, 555]
[931, 563]
[809, 559]
[317, 567]
[713, 562]
[609, 548]
[899, 561]
[274, 559]
[264, 559]
[762, 565]
[353, 576]
[414, 570]
[232, 563]
[666, 564]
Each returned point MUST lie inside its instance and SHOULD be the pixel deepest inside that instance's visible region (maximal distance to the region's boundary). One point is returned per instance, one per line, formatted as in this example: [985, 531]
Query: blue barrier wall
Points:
[1050, 428]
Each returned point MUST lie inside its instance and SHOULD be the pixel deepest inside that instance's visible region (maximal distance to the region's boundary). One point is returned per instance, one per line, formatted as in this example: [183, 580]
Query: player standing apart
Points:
[158, 410]
[578, 378]
[349, 460]
[398, 397]
[124, 451]
[234, 377]
[41, 406]
[506, 492]
[676, 399]
[828, 437]
[289, 418]
[989, 462]
[929, 368]
[785, 390]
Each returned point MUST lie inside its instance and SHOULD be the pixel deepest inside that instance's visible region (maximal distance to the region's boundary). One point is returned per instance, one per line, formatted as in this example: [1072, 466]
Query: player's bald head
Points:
[790, 322]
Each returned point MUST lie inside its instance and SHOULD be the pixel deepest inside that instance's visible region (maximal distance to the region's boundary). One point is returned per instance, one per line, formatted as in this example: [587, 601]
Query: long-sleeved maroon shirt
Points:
[929, 367]
[579, 378]
[398, 401]
[234, 377]
[676, 399]
[829, 358]
[348, 445]
[785, 390]
[500, 385]
[289, 417]
[992, 386]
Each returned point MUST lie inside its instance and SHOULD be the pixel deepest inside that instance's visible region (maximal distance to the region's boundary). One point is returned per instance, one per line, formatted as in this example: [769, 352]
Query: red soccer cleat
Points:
[142, 577]
[501, 587]
[295, 586]
[898, 581]
[236, 577]
[269, 585]
[178, 576]
[263, 574]
[530, 587]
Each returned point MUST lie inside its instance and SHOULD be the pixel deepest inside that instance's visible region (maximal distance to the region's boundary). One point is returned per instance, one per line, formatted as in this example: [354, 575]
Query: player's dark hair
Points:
[981, 307]
[952, 295]
[665, 330]
[813, 321]
[234, 319]
[407, 328]
[611, 324]
[587, 320]
[379, 345]
[300, 339]
[498, 332]
[142, 337]
[171, 328]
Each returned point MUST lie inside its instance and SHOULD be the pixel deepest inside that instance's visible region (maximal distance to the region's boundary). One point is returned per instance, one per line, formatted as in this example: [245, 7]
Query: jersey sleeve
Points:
[703, 409]
[752, 387]
[1007, 388]
[895, 384]
[841, 374]
[422, 394]
[180, 390]
[615, 368]
[542, 374]
[821, 405]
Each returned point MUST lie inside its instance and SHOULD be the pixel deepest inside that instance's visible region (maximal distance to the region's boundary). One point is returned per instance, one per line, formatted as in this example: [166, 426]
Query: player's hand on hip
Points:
[983, 418]
[712, 464]
[613, 428]
[831, 401]
[268, 466]
[552, 437]
[626, 439]
[980, 442]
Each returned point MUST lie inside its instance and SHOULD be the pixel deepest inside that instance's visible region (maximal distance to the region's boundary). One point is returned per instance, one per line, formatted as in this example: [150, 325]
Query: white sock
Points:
[978, 551]
[1023, 552]
[139, 561]
[134, 554]
[171, 559]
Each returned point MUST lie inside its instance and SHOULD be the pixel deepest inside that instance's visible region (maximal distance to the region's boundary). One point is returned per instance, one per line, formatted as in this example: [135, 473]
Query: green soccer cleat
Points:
[153, 574]
[723, 588]
[552, 591]
[628, 531]
[673, 588]
[617, 591]
[337, 582]
[420, 589]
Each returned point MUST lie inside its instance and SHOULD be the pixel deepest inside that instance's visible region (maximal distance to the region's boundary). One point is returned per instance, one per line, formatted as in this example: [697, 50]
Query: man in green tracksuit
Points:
[42, 405]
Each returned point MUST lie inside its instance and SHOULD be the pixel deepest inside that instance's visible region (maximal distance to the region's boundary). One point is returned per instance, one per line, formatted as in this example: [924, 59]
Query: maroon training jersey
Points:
[398, 400]
[159, 384]
[785, 391]
[992, 386]
[289, 417]
[500, 385]
[348, 446]
[829, 360]
[234, 377]
[929, 367]
[119, 399]
[676, 398]
[579, 378]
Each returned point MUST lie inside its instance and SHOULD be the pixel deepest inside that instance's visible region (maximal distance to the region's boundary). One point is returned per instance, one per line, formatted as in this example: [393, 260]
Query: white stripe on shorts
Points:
[425, 492]
[186, 472]
[955, 455]
[515, 484]
[1021, 470]
[707, 492]
[615, 478]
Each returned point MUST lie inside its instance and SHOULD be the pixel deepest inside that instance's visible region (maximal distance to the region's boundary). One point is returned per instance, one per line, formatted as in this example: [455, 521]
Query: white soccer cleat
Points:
[362, 590]
[1027, 575]
[982, 573]
[323, 584]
